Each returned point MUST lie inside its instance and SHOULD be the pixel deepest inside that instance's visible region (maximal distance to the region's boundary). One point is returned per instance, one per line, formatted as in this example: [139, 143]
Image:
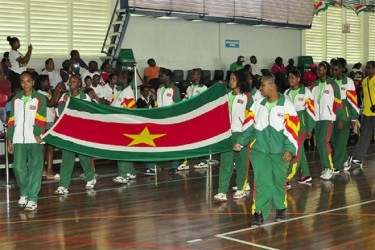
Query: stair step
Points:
[115, 34]
[112, 46]
[105, 58]
[121, 11]
[117, 22]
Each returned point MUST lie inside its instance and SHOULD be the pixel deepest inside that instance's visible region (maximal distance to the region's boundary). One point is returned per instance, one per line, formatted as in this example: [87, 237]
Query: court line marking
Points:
[223, 235]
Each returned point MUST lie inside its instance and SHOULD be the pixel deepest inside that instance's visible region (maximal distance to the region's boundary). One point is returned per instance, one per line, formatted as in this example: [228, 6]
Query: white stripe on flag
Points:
[191, 146]
[132, 119]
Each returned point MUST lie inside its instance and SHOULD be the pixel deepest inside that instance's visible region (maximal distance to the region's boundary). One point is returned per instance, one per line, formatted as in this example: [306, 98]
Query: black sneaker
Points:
[173, 171]
[149, 171]
[336, 171]
[258, 219]
[280, 214]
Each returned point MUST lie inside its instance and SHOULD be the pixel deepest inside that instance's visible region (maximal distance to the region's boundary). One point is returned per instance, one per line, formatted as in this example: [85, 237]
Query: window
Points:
[54, 28]
[326, 39]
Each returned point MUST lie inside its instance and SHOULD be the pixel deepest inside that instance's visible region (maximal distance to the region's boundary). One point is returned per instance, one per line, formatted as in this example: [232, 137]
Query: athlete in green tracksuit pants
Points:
[328, 103]
[303, 101]
[272, 129]
[26, 124]
[349, 113]
[239, 101]
[68, 157]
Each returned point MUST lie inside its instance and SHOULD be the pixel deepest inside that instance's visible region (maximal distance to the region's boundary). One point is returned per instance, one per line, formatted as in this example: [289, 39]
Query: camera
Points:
[372, 108]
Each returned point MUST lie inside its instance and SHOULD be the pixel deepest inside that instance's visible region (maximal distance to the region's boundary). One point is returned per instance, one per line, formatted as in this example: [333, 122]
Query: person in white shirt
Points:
[257, 73]
[18, 61]
[53, 74]
[92, 70]
[109, 89]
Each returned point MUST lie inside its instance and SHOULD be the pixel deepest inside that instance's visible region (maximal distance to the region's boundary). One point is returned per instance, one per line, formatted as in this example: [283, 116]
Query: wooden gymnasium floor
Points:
[178, 212]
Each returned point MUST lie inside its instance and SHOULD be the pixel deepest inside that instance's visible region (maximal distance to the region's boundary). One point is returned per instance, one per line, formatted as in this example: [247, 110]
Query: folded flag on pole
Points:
[192, 128]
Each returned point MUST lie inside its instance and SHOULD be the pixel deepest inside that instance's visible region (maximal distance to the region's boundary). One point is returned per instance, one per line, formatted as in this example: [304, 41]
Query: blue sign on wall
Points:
[232, 43]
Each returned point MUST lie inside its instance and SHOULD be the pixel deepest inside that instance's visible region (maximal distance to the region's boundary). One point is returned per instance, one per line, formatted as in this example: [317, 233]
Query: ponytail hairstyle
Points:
[12, 40]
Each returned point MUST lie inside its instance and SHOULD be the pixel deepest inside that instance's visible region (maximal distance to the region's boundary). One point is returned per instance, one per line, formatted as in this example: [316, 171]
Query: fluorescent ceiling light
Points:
[167, 17]
[230, 23]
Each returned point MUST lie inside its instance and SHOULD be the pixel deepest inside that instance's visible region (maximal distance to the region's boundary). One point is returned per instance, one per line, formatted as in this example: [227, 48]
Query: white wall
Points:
[180, 44]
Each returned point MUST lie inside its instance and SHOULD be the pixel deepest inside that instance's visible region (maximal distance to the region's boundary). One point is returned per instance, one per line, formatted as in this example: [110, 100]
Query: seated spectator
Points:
[237, 65]
[255, 71]
[66, 72]
[152, 71]
[77, 62]
[278, 67]
[93, 69]
[310, 76]
[146, 100]
[106, 69]
[53, 74]
[290, 66]
[197, 87]
[5, 64]
[109, 89]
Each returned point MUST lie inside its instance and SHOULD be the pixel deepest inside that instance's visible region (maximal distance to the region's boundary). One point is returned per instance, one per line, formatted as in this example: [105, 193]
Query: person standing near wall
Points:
[368, 118]
[26, 124]
[17, 61]
[271, 128]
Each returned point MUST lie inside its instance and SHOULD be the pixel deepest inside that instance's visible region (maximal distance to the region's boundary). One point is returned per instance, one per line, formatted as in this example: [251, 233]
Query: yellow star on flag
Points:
[144, 137]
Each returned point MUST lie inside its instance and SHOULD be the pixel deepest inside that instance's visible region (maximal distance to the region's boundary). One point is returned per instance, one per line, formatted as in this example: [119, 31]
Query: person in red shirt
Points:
[278, 66]
[310, 76]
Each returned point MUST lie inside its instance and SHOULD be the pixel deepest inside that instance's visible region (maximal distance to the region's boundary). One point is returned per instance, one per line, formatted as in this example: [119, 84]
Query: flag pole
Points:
[135, 83]
[7, 185]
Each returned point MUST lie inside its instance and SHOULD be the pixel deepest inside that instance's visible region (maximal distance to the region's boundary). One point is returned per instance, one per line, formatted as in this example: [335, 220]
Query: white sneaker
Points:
[91, 184]
[239, 195]
[220, 197]
[130, 176]
[247, 188]
[347, 163]
[22, 201]
[61, 190]
[120, 179]
[31, 206]
[327, 174]
[201, 165]
[183, 167]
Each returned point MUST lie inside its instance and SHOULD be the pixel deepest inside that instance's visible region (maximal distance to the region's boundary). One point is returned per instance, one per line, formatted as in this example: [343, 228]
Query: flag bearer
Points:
[68, 157]
[239, 101]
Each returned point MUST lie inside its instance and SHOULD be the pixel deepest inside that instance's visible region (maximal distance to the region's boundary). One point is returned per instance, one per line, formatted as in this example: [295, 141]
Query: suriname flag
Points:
[196, 127]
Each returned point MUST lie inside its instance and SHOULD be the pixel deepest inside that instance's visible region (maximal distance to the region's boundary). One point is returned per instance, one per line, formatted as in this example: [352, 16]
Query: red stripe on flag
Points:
[197, 129]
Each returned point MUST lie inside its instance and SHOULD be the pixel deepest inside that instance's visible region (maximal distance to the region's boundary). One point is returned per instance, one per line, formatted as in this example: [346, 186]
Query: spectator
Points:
[77, 62]
[109, 89]
[93, 69]
[152, 71]
[310, 76]
[290, 66]
[238, 64]
[17, 61]
[5, 64]
[279, 72]
[53, 74]
[256, 72]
